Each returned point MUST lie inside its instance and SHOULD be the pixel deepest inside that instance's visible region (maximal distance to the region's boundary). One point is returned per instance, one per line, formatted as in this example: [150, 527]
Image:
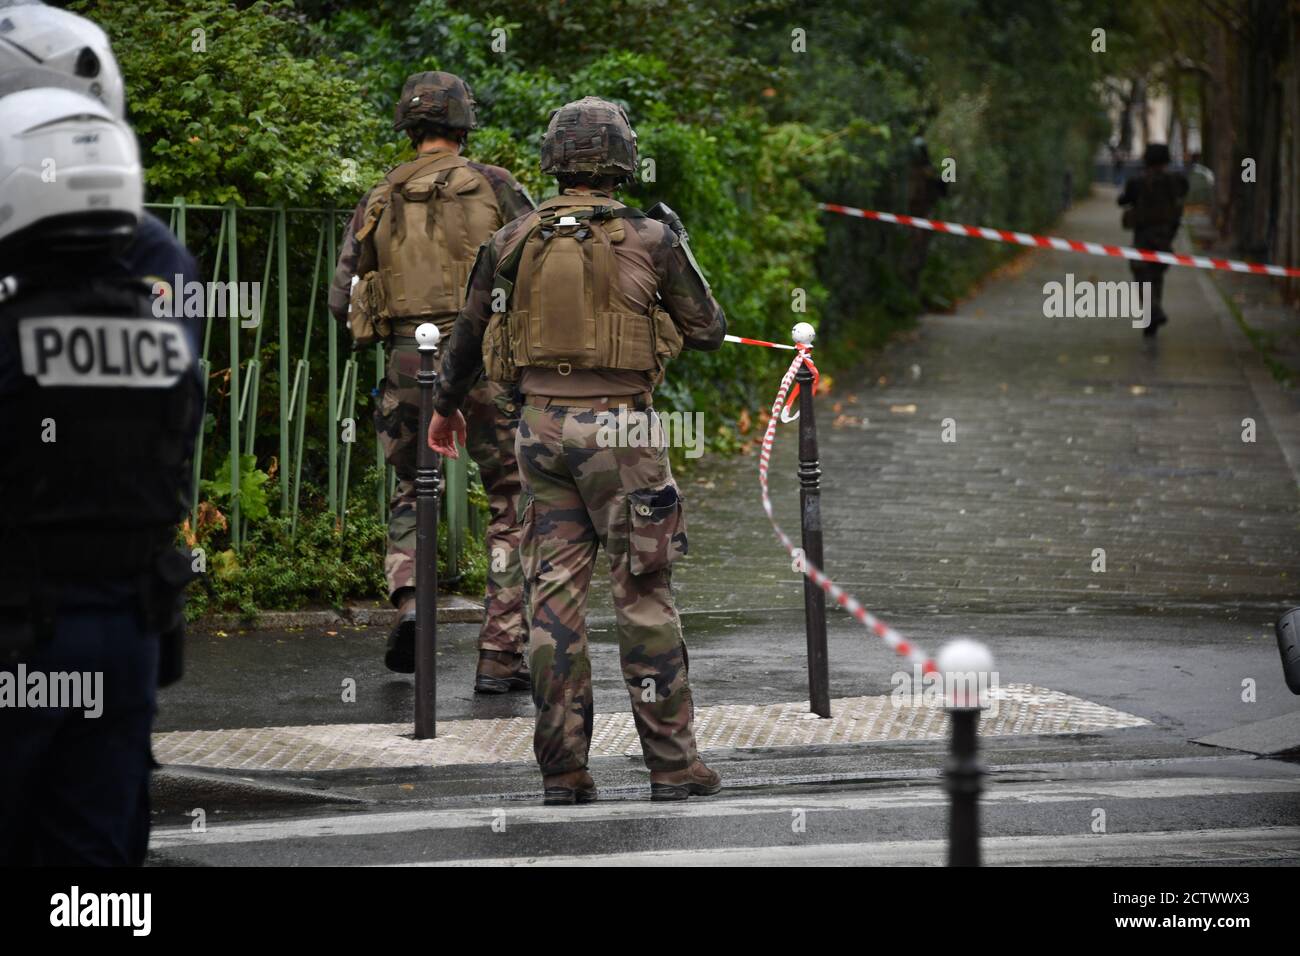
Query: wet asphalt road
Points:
[1183, 671]
[1072, 435]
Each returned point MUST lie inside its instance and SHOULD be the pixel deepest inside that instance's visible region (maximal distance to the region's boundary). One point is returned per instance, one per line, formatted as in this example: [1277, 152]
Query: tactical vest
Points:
[564, 304]
[100, 402]
[426, 222]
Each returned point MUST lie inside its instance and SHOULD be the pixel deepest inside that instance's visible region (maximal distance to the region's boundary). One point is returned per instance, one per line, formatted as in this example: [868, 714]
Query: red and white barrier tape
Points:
[741, 340]
[785, 412]
[845, 600]
[1065, 245]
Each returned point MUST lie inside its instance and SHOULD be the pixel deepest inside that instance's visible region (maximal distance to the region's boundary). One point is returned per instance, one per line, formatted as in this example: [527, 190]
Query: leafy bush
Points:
[252, 490]
[322, 564]
[228, 108]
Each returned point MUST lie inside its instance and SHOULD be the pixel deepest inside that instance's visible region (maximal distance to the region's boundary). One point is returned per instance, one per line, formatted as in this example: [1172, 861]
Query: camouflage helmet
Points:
[590, 135]
[435, 97]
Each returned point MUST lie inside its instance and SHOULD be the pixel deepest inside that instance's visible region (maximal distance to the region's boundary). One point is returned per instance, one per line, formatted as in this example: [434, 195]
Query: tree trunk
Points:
[1222, 148]
[1288, 193]
[1125, 145]
[1261, 51]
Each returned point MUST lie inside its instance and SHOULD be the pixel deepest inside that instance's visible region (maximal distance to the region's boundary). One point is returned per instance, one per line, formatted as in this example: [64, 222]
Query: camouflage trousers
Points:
[578, 495]
[491, 416]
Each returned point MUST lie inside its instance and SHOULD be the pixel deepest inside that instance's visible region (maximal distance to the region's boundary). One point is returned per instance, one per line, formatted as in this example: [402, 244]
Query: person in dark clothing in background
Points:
[1153, 204]
[925, 187]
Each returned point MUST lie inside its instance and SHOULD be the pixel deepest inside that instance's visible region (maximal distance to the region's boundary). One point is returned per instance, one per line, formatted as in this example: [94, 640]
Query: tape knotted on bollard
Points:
[892, 638]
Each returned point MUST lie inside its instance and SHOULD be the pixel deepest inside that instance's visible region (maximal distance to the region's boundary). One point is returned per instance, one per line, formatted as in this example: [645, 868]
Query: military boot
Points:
[696, 780]
[500, 672]
[566, 789]
[400, 656]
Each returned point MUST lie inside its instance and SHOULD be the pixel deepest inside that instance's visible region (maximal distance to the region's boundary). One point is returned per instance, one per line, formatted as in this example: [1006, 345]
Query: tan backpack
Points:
[425, 223]
[564, 305]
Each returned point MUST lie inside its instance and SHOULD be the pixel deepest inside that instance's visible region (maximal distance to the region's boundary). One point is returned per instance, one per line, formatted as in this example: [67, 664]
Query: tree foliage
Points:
[229, 107]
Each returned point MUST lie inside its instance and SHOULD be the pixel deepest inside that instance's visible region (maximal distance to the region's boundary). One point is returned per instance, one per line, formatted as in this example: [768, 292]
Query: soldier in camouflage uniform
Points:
[583, 301]
[437, 111]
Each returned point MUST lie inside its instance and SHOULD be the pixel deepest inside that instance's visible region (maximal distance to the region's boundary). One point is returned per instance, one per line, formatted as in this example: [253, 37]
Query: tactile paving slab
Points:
[1018, 709]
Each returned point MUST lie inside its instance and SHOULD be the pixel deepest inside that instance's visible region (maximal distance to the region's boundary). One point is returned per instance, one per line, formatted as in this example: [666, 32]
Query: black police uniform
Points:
[155, 253]
[90, 579]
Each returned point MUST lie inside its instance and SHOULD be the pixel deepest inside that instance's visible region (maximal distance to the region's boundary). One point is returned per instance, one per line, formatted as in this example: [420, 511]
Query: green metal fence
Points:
[296, 324]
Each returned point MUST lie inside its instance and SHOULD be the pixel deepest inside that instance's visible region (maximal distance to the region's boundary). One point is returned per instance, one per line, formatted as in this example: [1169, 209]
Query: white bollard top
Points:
[962, 662]
[427, 336]
[963, 654]
[803, 333]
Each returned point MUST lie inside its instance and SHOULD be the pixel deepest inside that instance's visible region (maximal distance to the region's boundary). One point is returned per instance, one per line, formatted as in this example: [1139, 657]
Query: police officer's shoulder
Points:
[156, 253]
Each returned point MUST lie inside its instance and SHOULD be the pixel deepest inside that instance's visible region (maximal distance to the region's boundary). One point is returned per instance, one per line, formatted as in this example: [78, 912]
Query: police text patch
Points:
[81, 350]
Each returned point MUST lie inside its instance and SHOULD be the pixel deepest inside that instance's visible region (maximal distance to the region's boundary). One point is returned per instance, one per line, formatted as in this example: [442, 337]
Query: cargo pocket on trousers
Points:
[656, 529]
[388, 420]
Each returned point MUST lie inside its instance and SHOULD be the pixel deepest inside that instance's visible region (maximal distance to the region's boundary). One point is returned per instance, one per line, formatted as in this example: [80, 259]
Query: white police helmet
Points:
[43, 46]
[70, 173]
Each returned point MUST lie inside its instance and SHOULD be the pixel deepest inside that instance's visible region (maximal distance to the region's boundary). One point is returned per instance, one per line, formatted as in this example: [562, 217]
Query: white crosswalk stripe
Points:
[1190, 846]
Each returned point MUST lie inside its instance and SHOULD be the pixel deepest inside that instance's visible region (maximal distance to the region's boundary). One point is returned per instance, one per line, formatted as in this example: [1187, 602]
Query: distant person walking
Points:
[925, 187]
[1153, 202]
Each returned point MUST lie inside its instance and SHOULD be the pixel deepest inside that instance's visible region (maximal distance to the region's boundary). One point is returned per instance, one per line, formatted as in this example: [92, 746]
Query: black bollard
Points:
[963, 781]
[426, 545]
[810, 521]
[962, 663]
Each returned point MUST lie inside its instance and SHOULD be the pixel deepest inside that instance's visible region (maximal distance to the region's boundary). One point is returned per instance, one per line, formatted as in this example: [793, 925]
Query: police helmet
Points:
[70, 175]
[43, 46]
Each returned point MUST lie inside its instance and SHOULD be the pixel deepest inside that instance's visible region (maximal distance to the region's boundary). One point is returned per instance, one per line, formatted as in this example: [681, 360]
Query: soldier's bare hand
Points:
[445, 431]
